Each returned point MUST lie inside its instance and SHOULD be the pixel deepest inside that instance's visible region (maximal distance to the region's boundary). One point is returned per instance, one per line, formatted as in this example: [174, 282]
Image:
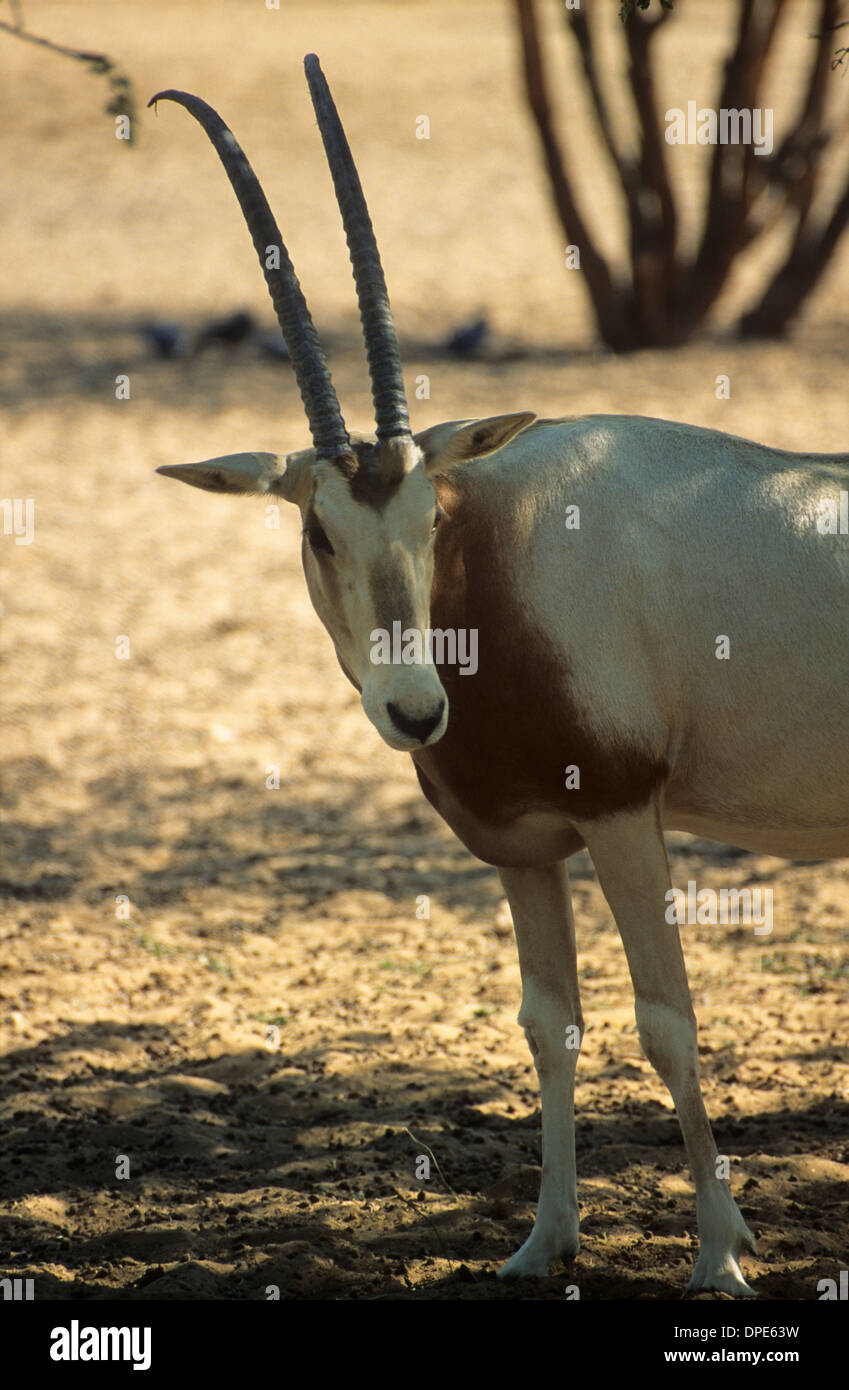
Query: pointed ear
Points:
[457, 441]
[246, 473]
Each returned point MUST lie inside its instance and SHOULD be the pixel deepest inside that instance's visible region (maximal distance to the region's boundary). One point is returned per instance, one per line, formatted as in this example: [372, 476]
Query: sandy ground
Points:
[227, 1031]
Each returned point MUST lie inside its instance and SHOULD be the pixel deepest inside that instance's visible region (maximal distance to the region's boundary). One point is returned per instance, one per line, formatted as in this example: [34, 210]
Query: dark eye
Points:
[317, 538]
[436, 520]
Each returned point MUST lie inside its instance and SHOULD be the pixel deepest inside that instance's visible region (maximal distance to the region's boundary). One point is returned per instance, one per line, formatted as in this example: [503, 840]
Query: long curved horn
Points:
[387, 380]
[327, 427]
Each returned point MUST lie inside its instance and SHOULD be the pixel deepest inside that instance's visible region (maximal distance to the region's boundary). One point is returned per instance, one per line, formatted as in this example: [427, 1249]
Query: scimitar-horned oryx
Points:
[597, 651]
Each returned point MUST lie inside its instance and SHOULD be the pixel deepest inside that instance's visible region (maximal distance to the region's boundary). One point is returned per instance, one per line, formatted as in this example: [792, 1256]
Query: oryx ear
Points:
[245, 473]
[457, 441]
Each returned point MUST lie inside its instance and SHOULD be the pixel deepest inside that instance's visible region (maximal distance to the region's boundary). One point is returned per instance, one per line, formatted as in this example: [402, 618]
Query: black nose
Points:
[416, 728]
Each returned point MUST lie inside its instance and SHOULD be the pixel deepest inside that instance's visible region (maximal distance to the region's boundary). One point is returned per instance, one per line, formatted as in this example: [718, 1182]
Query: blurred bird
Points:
[229, 331]
[164, 337]
[271, 345]
[465, 340]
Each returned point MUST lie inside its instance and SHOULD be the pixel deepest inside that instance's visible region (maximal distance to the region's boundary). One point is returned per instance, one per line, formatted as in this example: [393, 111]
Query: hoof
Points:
[729, 1280]
[537, 1255]
[717, 1266]
[721, 1272]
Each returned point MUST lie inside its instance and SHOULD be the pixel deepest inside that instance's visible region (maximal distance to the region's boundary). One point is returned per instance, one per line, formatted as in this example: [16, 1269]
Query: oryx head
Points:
[368, 506]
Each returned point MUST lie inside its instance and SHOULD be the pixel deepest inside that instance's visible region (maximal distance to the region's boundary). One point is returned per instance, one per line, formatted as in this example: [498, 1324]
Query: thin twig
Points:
[99, 61]
[435, 1163]
[122, 100]
[452, 1259]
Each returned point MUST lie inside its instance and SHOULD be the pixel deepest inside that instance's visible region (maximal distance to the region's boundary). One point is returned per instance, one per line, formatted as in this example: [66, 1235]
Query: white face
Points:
[369, 570]
[368, 555]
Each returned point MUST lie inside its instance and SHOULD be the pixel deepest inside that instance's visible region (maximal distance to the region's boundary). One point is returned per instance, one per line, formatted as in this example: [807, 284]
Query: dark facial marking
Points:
[374, 484]
[388, 593]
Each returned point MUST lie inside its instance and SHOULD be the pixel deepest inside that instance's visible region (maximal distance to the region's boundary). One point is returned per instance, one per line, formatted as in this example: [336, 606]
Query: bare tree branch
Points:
[611, 303]
[808, 258]
[796, 164]
[122, 100]
[578, 25]
[656, 298]
[735, 180]
[626, 168]
[99, 61]
[654, 253]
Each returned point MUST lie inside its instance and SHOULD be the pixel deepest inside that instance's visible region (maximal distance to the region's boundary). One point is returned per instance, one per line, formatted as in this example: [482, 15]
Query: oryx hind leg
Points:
[629, 855]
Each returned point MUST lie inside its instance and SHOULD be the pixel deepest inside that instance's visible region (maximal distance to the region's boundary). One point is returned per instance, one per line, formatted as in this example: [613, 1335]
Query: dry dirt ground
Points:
[229, 983]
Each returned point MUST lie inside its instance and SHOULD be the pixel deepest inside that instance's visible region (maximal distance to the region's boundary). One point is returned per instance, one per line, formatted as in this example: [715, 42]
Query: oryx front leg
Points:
[630, 858]
[551, 1017]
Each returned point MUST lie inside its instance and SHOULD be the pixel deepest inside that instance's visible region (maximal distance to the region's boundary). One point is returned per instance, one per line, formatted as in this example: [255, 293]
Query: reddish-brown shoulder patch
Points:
[513, 727]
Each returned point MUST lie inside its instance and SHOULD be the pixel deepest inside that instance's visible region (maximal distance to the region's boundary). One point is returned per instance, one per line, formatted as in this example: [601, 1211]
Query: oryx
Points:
[602, 710]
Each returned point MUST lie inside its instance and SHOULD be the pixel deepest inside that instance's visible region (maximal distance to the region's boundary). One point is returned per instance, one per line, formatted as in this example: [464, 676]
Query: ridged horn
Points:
[326, 424]
[384, 359]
